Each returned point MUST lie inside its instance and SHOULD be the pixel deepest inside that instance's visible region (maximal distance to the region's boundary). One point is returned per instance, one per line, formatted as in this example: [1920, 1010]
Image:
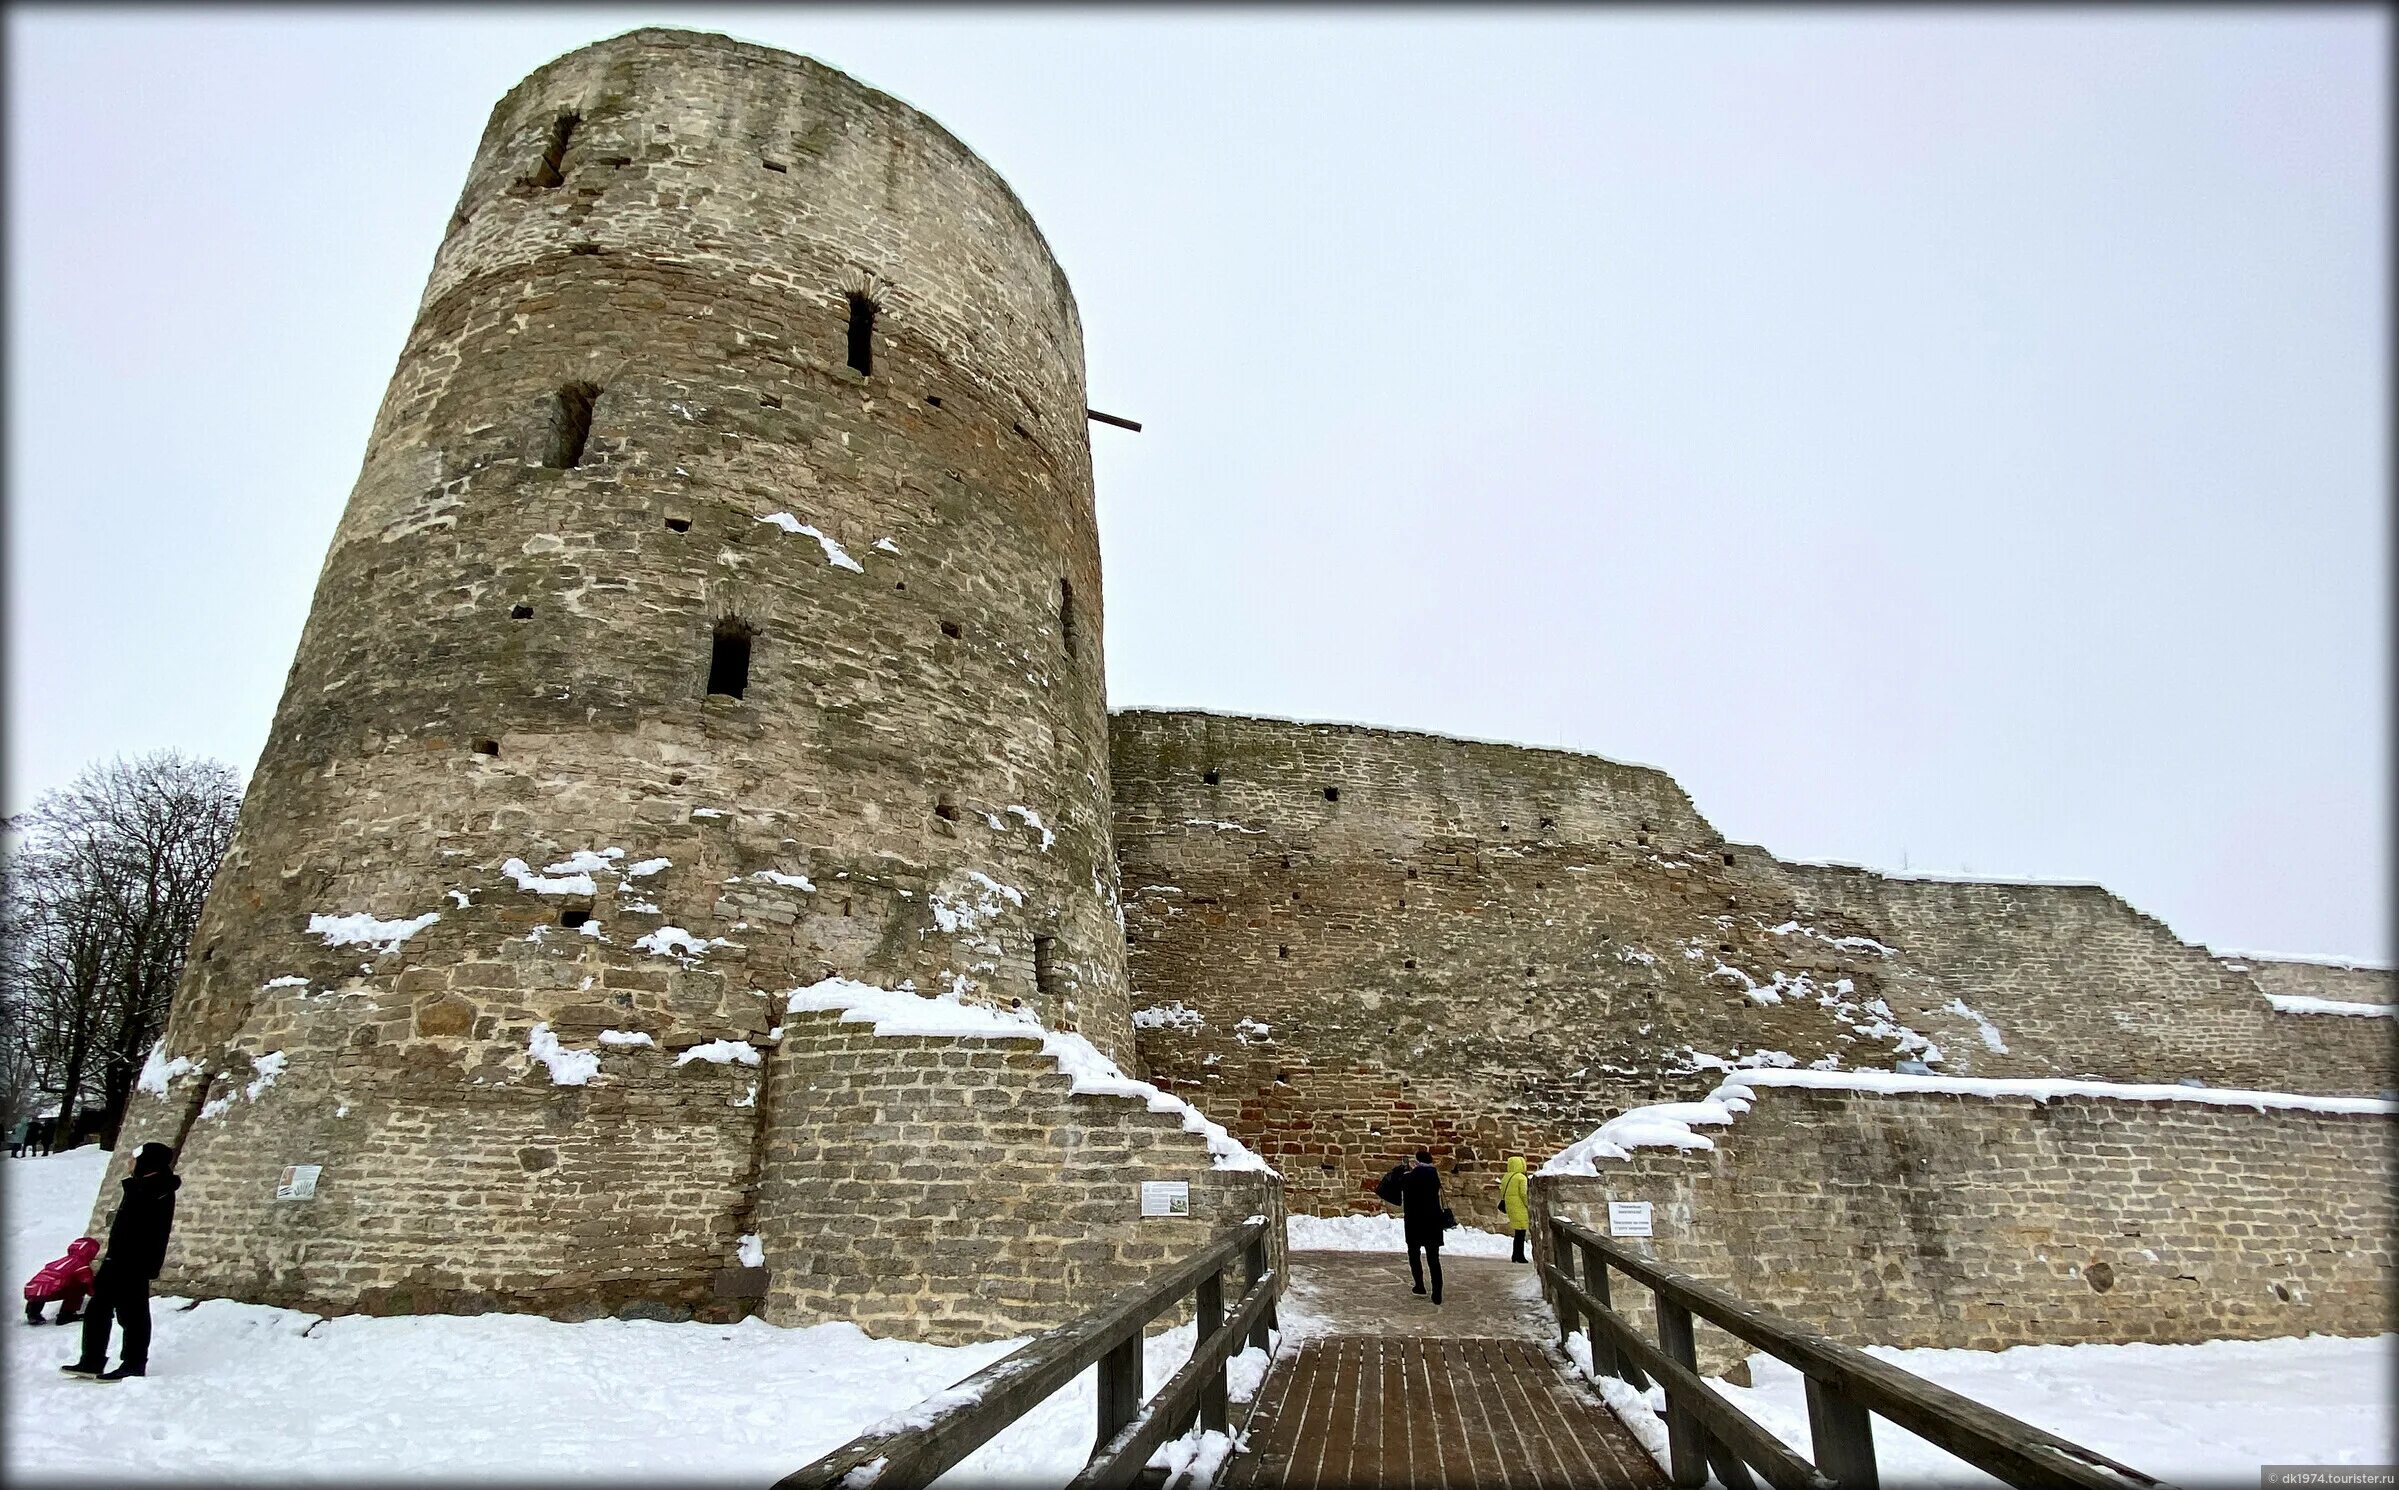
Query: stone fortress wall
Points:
[1350, 941]
[1982, 1222]
[665, 658]
[718, 613]
[2342, 982]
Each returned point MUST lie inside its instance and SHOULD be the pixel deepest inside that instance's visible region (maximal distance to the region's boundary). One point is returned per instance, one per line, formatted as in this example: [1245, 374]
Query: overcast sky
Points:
[1950, 440]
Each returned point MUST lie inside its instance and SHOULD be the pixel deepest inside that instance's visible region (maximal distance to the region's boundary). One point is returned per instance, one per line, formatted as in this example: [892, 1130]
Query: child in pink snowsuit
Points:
[68, 1280]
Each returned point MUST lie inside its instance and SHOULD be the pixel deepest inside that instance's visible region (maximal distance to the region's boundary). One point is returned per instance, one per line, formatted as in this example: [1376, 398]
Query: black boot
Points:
[123, 1370]
[81, 1368]
[33, 1313]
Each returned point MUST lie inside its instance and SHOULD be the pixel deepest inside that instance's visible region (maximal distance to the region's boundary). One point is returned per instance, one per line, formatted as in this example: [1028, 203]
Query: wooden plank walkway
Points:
[1369, 1410]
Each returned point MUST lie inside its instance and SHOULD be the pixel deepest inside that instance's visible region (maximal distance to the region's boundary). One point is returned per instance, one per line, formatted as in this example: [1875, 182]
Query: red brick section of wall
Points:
[1930, 1220]
[1345, 942]
[1333, 1131]
[1517, 943]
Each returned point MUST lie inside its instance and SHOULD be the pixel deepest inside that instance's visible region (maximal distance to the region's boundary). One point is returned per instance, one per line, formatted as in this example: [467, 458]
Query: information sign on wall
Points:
[299, 1181]
[1166, 1197]
[1628, 1218]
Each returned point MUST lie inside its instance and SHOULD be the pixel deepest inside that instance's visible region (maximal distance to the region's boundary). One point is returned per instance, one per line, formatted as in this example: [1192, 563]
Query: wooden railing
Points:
[913, 1448]
[1846, 1388]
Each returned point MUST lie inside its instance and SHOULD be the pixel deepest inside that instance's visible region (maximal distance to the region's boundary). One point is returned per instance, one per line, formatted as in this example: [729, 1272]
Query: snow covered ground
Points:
[239, 1391]
[1383, 1234]
[2194, 1415]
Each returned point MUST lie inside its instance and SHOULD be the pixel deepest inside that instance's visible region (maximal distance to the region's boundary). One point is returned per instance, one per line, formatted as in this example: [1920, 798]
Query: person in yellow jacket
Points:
[1511, 1200]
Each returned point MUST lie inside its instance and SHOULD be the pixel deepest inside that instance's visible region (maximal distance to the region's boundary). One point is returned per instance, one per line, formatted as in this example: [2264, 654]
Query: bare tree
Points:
[102, 899]
[60, 949]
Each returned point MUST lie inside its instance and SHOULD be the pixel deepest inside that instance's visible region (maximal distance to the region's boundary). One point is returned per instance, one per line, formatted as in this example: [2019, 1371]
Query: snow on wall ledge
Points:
[1980, 1214]
[903, 1012]
[1670, 1124]
[2300, 1003]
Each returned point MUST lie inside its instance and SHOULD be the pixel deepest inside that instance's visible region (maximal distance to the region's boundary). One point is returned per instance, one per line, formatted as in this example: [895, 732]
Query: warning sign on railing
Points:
[1628, 1218]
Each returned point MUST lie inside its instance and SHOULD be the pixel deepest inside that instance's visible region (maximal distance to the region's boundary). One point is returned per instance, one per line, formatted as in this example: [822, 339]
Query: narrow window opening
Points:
[1724, 946]
[570, 426]
[587, 249]
[573, 918]
[1410, 964]
[1045, 967]
[1528, 972]
[769, 401]
[678, 525]
[487, 747]
[946, 810]
[845, 908]
[1019, 426]
[1211, 777]
[729, 659]
[1548, 823]
[675, 780]
[1411, 874]
[1282, 952]
[862, 334]
[1066, 614]
[902, 585]
[934, 399]
[774, 165]
[952, 630]
[552, 171]
[1332, 794]
[520, 613]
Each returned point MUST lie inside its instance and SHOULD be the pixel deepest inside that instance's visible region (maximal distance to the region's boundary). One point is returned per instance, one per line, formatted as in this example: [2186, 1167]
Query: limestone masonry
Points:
[1347, 941]
[716, 626]
[1965, 1221]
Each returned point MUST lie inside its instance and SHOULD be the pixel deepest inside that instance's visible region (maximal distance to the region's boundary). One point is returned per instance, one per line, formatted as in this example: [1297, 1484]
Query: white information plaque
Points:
[299, 1181]
[1166, 1197]
[1628, 1218]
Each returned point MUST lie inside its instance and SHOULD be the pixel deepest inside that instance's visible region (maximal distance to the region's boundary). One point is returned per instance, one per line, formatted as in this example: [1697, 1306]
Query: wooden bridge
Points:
[1375, 1386]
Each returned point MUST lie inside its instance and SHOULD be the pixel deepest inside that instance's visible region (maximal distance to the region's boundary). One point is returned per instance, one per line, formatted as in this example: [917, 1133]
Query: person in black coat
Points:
[1420, 1210]
[137, 1249]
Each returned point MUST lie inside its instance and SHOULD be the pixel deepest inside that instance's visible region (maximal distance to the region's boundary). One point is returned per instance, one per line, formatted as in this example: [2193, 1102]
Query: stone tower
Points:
[717, 611]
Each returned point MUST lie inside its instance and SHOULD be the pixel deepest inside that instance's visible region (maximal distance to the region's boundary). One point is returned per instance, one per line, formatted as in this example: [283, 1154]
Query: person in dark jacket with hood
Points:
[137, 1249]
[1421, 1214]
